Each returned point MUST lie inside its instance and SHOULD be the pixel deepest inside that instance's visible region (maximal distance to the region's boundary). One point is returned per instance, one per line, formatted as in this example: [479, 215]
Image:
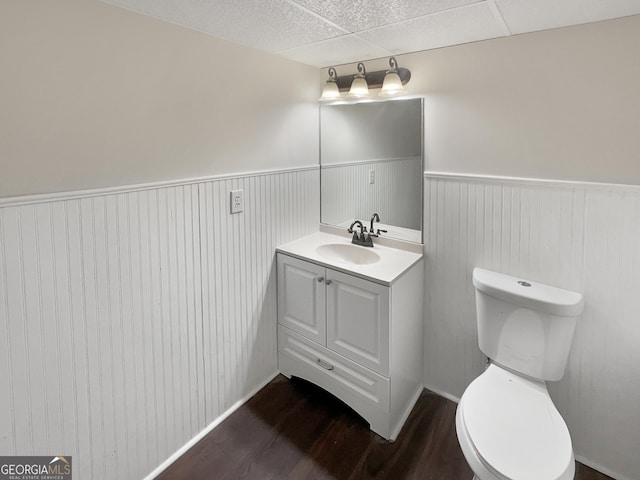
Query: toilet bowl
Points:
[507, 425]
[509, 429]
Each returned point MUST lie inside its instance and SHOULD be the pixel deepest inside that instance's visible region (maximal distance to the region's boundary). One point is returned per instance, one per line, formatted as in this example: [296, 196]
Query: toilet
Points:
[508, 427]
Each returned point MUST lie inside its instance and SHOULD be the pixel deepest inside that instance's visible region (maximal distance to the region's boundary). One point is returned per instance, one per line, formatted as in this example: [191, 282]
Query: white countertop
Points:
[393, 263]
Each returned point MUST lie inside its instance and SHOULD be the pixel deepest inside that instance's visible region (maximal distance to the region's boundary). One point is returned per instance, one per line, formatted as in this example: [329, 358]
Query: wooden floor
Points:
[295, 430]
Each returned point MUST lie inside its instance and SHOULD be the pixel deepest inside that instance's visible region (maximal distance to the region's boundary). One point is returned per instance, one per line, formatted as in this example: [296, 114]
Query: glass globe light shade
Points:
[391, 85]
[330, 92]
[359, 87]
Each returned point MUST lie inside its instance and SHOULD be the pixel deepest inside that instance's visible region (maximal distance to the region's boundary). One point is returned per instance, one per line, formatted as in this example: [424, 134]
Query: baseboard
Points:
[601, 469]
[407, 411]
[442, 393]
[164, 465]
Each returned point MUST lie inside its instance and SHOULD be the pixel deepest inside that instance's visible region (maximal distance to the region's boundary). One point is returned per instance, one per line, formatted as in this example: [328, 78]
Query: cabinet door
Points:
[301, 297]
[358, 320]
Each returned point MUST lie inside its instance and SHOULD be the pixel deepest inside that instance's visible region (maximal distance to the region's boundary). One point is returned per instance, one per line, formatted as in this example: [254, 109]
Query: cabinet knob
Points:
[328, 282]
[320, 279]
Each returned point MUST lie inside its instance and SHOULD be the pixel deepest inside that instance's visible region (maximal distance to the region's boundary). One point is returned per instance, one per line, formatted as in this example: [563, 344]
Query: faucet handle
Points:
[355, 223]
[380, 231]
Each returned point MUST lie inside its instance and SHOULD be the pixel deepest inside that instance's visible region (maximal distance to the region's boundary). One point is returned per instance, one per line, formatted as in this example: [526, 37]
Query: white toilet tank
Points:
[525, 326]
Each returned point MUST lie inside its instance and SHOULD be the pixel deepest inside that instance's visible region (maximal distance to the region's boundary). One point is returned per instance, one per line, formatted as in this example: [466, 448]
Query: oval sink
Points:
[341, 252]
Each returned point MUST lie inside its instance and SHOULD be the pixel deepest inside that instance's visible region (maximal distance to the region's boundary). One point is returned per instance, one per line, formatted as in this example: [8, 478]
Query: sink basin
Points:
[343, 252]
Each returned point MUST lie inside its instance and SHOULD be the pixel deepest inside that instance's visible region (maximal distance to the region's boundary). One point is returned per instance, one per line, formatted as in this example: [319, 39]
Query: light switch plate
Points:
[237, 201]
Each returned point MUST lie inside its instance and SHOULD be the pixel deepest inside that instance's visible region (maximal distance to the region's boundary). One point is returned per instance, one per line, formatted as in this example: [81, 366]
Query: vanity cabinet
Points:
[342, 312]
[359, 339]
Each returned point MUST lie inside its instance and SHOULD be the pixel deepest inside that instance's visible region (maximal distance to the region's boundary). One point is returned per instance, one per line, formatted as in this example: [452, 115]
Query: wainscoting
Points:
[133, 318]
[578, 236]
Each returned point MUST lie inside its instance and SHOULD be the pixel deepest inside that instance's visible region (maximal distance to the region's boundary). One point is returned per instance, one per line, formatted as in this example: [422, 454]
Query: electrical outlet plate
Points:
[372, 177]
[237, 201]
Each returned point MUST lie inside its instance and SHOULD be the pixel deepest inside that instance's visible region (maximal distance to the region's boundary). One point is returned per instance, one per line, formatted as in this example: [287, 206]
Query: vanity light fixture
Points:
[391, 82]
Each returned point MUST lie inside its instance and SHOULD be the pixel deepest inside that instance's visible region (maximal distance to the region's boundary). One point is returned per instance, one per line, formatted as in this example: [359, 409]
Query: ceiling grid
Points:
[323, 33]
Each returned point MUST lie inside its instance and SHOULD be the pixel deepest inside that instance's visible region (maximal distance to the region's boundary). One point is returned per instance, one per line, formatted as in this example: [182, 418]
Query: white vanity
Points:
[350, 320]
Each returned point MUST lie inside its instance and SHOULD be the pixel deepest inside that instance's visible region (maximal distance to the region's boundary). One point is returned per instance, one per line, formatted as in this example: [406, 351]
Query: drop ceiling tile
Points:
[531, 15]
[336, 51]
[452, 27]
[269, 25]
[358, 15]
[297, 29]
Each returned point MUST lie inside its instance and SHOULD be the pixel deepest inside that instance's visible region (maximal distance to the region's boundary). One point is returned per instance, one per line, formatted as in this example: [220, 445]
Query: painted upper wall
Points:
[557, 104]
[92, 95]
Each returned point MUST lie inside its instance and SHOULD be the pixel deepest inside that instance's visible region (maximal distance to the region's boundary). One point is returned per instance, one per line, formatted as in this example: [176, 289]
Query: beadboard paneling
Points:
[601, 391]
[131, 320]
[98, 323]
[347, 193]
[239, 277]
[576, 236]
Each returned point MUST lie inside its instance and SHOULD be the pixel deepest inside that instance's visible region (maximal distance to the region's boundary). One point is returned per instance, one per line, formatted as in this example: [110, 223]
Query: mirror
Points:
[371, 162]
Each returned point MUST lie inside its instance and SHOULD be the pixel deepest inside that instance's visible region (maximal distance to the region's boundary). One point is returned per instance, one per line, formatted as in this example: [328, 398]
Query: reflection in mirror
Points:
[371, 162]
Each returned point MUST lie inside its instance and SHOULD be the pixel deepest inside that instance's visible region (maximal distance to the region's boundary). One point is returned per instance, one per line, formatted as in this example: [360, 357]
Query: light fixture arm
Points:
[333, 75]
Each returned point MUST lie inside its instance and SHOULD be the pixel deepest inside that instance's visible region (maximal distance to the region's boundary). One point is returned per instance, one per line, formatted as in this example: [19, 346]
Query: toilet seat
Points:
[514, 428]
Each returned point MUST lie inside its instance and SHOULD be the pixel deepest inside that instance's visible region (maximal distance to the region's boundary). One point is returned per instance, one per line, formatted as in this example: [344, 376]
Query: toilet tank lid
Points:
[529, 294]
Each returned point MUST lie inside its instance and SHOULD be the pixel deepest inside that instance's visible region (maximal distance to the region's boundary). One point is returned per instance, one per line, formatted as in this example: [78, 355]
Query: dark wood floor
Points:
[295, 430]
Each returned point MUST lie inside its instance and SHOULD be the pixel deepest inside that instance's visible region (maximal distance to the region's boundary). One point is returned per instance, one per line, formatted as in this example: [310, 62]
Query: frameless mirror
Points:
[371, 162]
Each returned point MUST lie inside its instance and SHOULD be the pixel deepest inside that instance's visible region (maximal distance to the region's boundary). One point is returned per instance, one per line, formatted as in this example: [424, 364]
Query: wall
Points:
[134, 317]
[97, 96]
[93, 96]
[132, 320]
[559, 105]
[581, 237]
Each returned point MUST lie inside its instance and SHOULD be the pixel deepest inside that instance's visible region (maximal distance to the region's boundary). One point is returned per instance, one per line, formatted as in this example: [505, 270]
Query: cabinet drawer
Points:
[345, 379]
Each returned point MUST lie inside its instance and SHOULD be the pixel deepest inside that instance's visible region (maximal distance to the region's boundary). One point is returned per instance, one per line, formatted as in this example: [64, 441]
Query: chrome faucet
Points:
[364, 239]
